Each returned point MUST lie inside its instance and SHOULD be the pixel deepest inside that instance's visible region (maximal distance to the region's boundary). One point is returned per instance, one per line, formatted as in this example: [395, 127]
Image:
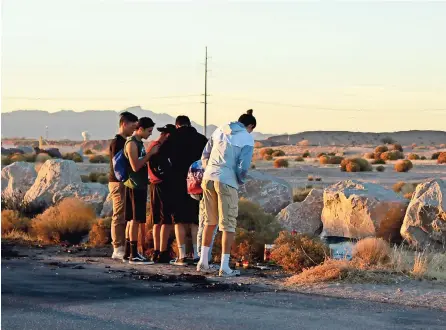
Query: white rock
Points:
[17, 178]
[93, 194]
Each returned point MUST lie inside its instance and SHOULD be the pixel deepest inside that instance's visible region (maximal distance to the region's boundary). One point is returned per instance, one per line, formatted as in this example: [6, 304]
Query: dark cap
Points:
[169, 128]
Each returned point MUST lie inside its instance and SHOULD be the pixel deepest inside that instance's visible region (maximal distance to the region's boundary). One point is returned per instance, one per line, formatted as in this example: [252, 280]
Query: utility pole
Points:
[205, 91]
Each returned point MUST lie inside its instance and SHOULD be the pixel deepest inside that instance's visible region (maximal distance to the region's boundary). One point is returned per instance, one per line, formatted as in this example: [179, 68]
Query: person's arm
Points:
[136, 163]
[207, 152]
[244, 163]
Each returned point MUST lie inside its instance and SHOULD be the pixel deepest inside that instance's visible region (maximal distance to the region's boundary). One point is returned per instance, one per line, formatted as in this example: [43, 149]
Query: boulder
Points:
[93, 194]
[17, 178]
[304, 217]
[425, 220]
[271, 193]
[356, 209]
[54, 176]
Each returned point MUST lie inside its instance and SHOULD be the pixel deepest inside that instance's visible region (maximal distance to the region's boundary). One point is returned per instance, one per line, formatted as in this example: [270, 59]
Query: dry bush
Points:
[423, 158]
[380, 168]
[268, 157]
[330, 270]
[15, 202]
[398, 186]
[310, 178]
[378, 162]
[412, 156]
[397, 146]
[13, 220]
[295, 252]
[408, 195]
[42, 158]
[392, 155]
[99, 159]
[74, 156]
[6, 161]
[278, 153]
[324, 159]
[369, 155]
[420, 265]
[403, 165]
[377, 155]
[279, 163]
[88, 152]
[306, 154]
[299, 159]
[255, 229]
[253, 166]
[103, 179]
[299, 194]
[321, 154]
[100, 234]
[266, 151]
[68, 221]
[355, 165]
[333, 160]
[18, 235]
[85, 178]
[381, 149]
[18, 158]
[441, 158]
[372, 251]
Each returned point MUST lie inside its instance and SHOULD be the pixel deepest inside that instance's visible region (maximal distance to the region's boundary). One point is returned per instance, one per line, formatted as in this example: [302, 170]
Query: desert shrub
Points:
[408, 195]
[98, 159]
[324, 159]
[398, 186]
[6, 161]
[372, 251]
[442, 158]
[435, 155]
[299, 159]
[13, 220]
[380, 168]
[15, 202]
[18, 158]
[369, 155]
[378, 162]
[69, 221]
[403, 165]
[255, 229]
[381, 149]
[310, 178]
[306, 154]
[330, 270]
[85, 178]
[335, 160]
[412, 156]
[253, 166]
[268, 157]
[103, 179]
[321, 154]
[266, 151]
[392, 155]
[88, 152]
[96, 176]
[42, 157]
[420, 265]
[278, 153]
[423, 158]
[295, 252]
[279, 163]
[100, 233]
[299, 194]
[387, 140]
[74, 156]
[355, 165]
[30, 158]
[397, 146]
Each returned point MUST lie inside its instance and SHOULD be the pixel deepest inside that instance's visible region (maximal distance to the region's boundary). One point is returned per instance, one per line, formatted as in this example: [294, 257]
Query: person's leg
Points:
[165, 215]
[165, 234]
[118, 224]
[180, 235]
[139, 198]
[194, 234]
[155, 214]
[228, 207]
[128, 216]
[156, 237]
[200, 227]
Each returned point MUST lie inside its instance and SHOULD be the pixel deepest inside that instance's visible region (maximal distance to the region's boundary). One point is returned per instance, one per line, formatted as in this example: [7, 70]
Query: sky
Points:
[358, 66]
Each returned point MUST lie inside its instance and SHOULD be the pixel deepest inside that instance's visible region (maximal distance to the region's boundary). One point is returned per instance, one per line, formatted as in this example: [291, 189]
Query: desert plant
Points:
[321, 154]
[42, 157]
[279, 163]
[295, 252]
[99, 159]
[412, 156]
[306, 154]
[103, 179]
[88, 152]
[13, 220]
[324, 159]
[268, 157]
[403, 165]
[420, 265]
[423, 158]
[353, 167]
[372, 251]
[392, 155]
[380, 168]
[387, 140]
[74, 156]
[253, 166]
[15, 202]
[397, 146]
[6, 161]
[408, 195]
[381, 149]
[69, 221]
[266, 151]
[378, 162]
[278, 153]
[299, 194]
[435, 155]
[398, 186]
[100, 232]
[441, 158]
[299, 159]
[377, 155]
[310, 178]
[303, 143]
[18, 158]
[369, 155]
[330, 270]
[85, 178]
[30, 158]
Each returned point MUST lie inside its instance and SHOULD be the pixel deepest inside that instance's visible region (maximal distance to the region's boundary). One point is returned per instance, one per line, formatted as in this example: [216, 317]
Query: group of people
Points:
[161, 170]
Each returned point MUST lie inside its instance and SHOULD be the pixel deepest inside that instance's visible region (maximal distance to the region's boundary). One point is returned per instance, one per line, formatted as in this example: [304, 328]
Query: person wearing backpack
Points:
[161, 198]
[136, 187]
[226, 159]
[127, 125]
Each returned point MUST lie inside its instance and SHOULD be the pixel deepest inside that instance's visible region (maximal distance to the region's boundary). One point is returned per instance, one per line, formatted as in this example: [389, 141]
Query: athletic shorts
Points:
[161, 202]
[135, 204]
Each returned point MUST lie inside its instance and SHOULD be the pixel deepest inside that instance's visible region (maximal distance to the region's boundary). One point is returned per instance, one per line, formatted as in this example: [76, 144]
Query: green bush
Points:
[103, 179]
[88, 152]
[74, 156]
[278, 153]
[380, 168]
[412, 156]
[306, 154]
[267, 157]
[299, 159]
[435, 155]
[99, 159]
[85, 178]
[6, 161]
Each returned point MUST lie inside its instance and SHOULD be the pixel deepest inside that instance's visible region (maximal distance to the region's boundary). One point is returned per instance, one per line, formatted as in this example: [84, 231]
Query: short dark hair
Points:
[145, 122]
[183, 121]
[248, 119]
[127, 117]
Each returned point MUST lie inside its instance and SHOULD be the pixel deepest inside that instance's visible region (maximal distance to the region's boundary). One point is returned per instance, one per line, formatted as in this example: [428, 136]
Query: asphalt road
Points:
[42, 297]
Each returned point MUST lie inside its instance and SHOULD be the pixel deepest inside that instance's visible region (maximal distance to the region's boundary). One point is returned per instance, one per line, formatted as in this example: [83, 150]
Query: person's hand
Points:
[154, 149]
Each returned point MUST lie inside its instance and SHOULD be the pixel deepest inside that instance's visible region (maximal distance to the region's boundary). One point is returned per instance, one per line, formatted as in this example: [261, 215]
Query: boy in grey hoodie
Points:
[226, 159]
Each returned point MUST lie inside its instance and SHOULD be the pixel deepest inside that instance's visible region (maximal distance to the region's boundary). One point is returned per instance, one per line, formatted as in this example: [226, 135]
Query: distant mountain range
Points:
[67, 124]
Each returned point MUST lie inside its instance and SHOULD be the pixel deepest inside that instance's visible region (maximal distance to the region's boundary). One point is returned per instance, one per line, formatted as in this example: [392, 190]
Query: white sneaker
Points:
[228, 273]
[205, 269]
[118, 253]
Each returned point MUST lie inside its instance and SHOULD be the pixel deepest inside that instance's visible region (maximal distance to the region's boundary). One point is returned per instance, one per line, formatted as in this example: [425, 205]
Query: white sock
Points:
[196, 256]
[204, 256]
[182, 251]
[225, 262]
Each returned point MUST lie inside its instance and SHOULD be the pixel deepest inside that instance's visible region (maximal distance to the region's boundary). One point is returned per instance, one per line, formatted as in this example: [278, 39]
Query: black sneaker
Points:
[164, 257]
[139, 260]
[195, 262]
[155, 256]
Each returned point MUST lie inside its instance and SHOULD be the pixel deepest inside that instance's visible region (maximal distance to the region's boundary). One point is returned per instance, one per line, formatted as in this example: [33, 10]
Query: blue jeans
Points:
[201, 224]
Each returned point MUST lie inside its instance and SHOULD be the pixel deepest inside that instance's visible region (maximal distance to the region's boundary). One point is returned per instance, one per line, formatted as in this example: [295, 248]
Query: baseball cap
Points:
[169, 128]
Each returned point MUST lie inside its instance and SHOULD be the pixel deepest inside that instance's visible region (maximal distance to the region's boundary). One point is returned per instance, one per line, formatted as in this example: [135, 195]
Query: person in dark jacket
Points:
[186, 147]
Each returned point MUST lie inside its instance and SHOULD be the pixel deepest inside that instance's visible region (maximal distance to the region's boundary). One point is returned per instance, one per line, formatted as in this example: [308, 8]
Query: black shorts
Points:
[161, 202]
[186, 209]
[135, 204]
